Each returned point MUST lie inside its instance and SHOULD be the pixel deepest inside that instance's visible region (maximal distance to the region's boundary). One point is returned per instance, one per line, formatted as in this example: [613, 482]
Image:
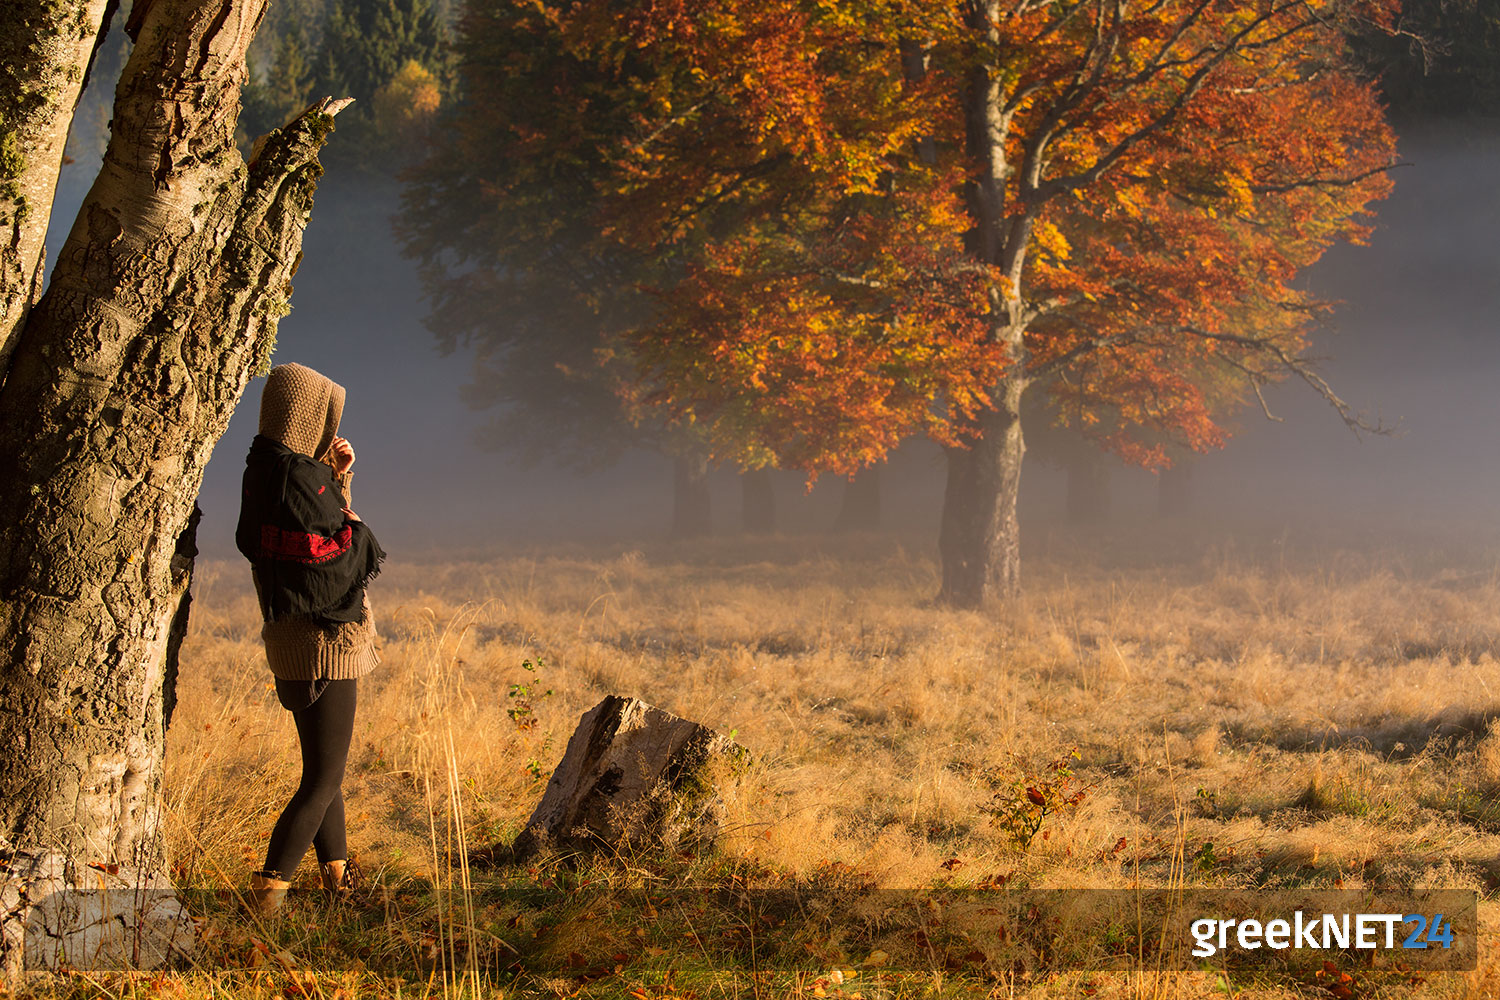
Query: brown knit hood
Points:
[301, 409]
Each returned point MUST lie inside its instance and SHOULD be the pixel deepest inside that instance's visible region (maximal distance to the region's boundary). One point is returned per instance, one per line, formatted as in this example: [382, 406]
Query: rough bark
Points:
[1088, 499]
[54, 913]
[757, 502]
[163, 302]
[860, 508]
[980, 537]
[45, 50]
[692, 515]
[633, 776]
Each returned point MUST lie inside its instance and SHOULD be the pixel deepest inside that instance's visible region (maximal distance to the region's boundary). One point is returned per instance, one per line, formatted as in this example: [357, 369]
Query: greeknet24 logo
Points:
[1323, 932]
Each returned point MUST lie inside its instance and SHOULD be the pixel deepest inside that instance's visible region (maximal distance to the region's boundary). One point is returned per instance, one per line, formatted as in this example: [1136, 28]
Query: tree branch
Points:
[1056, 365]
[1236, 44]
[1300, 367]
[1323, 182]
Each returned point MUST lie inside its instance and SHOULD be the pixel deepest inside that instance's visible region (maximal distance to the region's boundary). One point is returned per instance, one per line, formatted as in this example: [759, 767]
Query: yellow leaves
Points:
[1131, 201]
[836, 978]
[1237, 189]
[821, 303]
[405, 106]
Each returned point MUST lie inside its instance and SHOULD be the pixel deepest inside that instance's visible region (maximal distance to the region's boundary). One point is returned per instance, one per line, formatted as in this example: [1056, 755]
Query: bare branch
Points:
[1234, 45]
[1304, 370]
[1264, 406]
[660, 130]
[1325, 182]
[1058, 364]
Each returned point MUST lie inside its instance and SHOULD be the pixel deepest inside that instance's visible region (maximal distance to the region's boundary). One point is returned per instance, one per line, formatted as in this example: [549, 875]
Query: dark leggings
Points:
[315, 816]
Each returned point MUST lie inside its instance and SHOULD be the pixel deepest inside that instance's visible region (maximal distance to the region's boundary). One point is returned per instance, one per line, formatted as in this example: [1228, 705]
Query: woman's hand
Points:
[349, 515]
[342, 454]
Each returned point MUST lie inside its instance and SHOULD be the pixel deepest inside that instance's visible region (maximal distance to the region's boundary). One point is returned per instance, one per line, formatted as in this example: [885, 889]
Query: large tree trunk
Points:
[691, 510]
[163, 302]
[45, 50]
[980, 538]
[757, 502]
[860, 508]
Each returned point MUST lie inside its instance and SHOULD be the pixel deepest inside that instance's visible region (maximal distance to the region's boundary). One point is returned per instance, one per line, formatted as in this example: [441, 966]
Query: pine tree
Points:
[286, 88]
[366, 43]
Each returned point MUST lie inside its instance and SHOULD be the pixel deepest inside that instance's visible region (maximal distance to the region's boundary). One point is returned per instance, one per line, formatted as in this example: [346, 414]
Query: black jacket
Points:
[308, 558]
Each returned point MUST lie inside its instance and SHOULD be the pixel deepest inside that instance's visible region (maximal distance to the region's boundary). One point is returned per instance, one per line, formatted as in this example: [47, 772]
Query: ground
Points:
[1277, 711]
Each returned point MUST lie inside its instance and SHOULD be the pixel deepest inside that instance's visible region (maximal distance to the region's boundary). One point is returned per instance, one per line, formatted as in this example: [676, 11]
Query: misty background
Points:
[1415, 345]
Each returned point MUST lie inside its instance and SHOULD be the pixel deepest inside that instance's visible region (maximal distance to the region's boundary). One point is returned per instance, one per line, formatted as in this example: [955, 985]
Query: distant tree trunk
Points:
[860, 508]
[1088, 487]
[163, 302]
[45, 48]
[1174, 489]
[980, 537]
[757, 501]
[691, 511]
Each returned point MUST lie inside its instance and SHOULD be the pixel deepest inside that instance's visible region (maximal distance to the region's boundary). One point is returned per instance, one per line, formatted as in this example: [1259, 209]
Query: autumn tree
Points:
[511, 267]
[392, 56]
[118, 382]
[811, 230]
[1141, 185]
[502, 219]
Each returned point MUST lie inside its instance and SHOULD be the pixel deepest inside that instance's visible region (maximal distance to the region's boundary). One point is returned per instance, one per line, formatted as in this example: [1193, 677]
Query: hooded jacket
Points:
[309, 562]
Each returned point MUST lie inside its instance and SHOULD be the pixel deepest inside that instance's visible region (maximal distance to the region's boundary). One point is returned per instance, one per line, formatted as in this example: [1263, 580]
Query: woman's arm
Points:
[341, 457]
[311, 526]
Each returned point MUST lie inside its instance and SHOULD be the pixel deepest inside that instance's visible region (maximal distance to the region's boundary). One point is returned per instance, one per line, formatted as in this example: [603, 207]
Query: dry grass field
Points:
[1267, 713]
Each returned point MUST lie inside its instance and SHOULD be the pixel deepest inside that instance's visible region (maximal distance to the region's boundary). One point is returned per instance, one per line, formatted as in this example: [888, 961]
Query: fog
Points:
[1414, 346]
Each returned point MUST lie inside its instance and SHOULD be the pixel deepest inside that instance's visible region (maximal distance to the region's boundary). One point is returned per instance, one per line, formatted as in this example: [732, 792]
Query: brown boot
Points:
[267, 893]
[340, 879]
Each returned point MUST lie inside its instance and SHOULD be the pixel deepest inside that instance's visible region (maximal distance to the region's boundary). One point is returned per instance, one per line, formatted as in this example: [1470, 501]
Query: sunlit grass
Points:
[1240, 721]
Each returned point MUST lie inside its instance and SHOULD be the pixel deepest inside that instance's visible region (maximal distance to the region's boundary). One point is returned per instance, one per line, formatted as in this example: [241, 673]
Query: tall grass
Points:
[1242, 718]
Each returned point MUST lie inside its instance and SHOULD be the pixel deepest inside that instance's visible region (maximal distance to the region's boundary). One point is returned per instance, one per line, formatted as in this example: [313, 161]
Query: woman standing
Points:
[311, 558]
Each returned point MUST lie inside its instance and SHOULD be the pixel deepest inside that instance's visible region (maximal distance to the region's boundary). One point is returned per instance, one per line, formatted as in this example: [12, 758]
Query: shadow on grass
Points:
[1443, 734]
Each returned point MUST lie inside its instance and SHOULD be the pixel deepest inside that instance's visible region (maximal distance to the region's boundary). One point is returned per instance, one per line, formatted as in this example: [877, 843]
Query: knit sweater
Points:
[300, 409]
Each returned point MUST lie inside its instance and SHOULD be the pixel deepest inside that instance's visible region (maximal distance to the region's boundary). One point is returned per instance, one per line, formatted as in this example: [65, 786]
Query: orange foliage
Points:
[405, 106]
[820, 289]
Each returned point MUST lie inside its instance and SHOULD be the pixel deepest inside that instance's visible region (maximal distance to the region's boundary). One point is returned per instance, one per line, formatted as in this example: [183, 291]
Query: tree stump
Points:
[97, 917]
[634, 776]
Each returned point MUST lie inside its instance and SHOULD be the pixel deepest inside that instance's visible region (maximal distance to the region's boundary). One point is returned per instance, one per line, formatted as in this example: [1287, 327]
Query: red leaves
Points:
[1181, 194]
[1339, 984]
[818, 289]
[823, 349]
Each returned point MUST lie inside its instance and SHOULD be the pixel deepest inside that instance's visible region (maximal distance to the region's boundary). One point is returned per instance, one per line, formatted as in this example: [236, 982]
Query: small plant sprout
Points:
[523, 697]
[1022, 801]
